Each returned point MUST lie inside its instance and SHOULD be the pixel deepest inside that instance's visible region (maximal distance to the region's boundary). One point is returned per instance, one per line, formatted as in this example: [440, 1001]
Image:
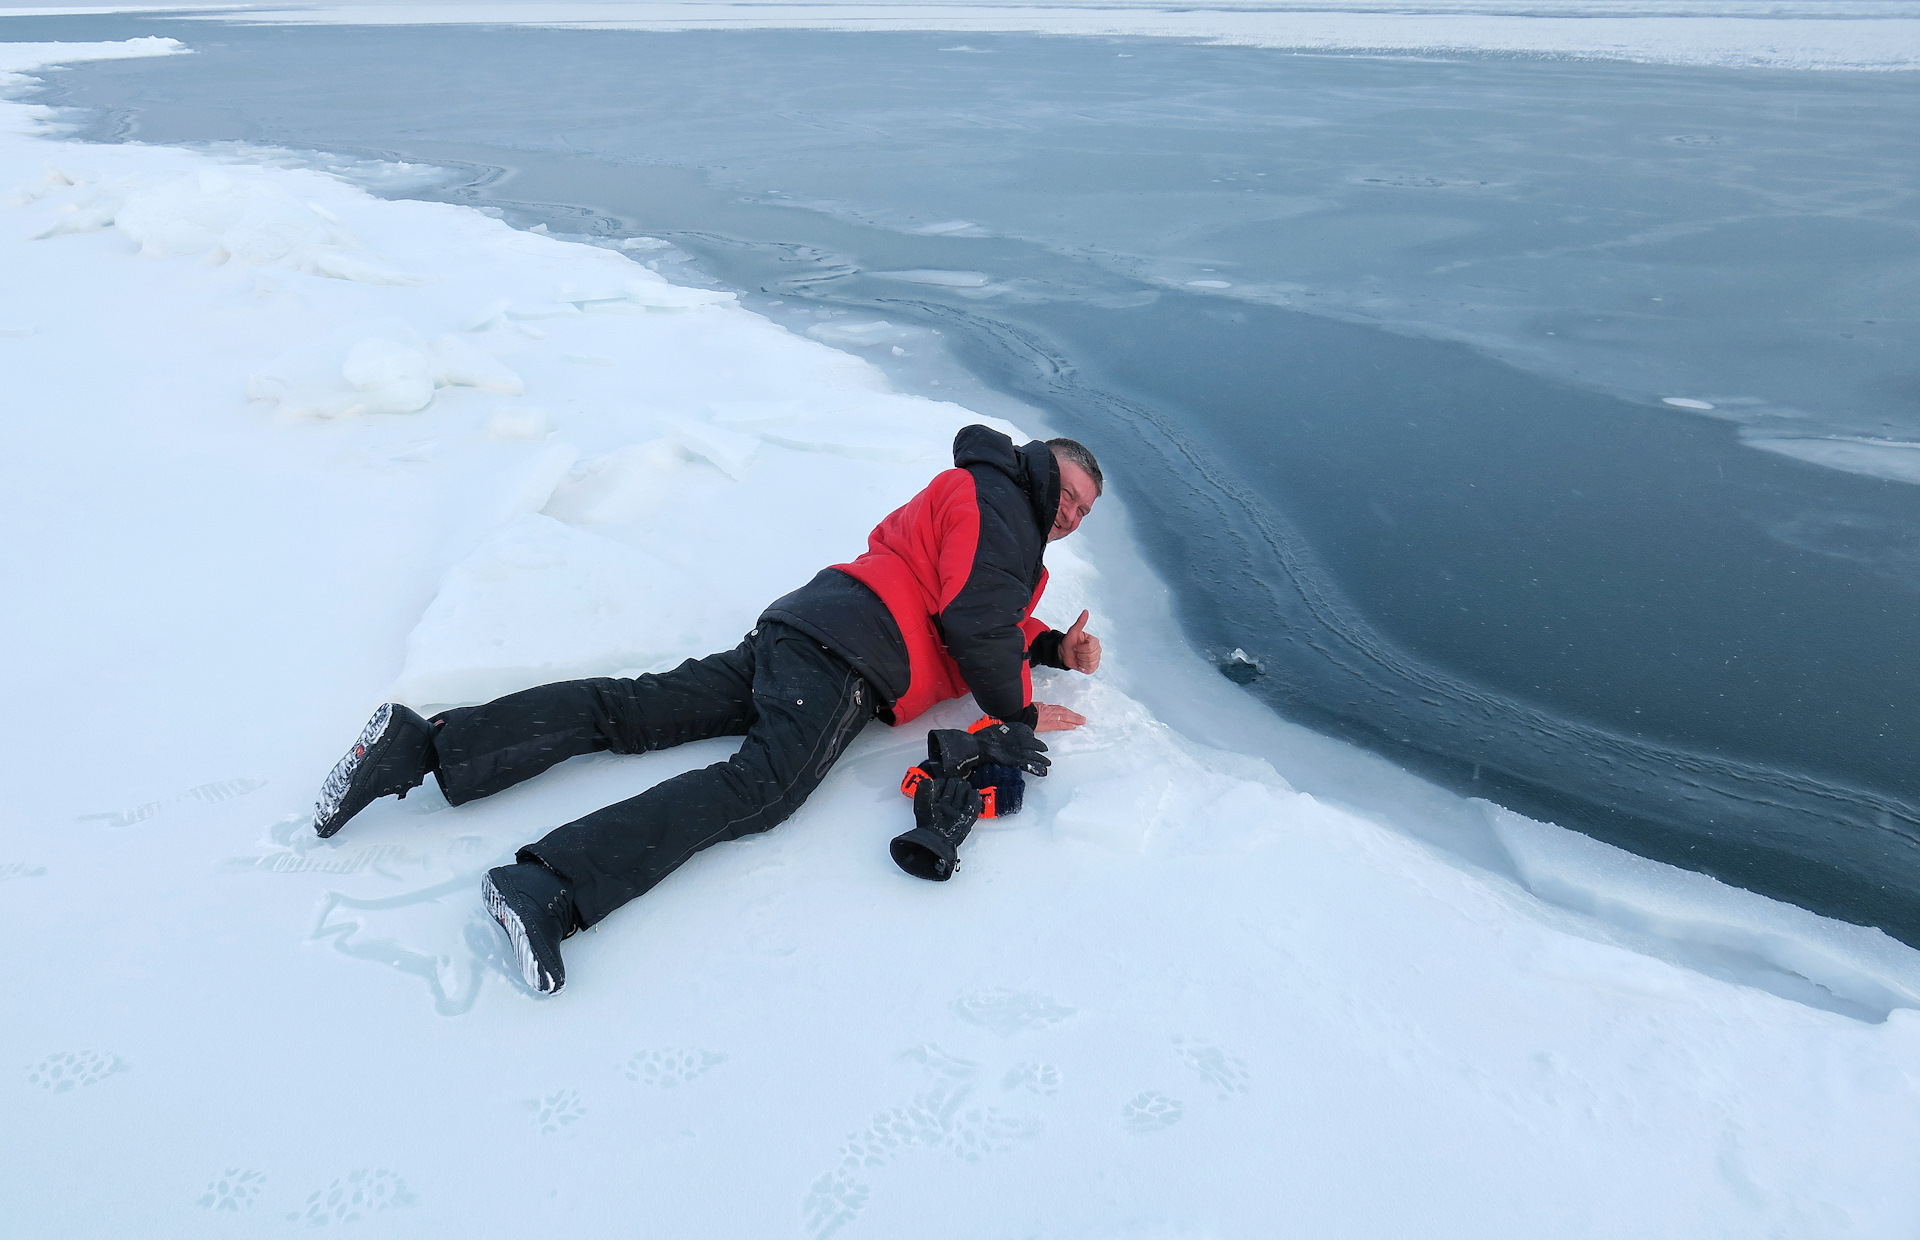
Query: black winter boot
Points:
[394, 753]
[535, 907]
[944, 811]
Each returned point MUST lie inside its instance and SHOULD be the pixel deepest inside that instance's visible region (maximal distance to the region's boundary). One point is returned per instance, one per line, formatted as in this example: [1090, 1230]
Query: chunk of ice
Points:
[858, 335]
[541, 310]
[378, 363]
[243, 214]
[485, 320]
[934, 276]
[580, 293]
[945, 228]
[374, 368]
[337, 264]
[727, 451]
[455, 363]
[665, 296]
[623, 485]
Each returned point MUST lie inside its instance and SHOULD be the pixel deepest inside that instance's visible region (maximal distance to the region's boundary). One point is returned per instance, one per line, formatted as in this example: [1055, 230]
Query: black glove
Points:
[944, 811]
[1013, 744]
[997, 744]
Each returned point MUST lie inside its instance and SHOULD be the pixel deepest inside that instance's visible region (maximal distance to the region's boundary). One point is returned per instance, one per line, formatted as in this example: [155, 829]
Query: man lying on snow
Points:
[940, 605]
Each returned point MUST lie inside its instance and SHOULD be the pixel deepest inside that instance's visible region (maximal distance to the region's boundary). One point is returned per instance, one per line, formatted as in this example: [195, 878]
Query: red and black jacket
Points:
[942, 602]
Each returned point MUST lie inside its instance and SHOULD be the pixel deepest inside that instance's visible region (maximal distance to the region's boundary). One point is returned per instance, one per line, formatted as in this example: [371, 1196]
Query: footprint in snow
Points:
[944, 1118]
[205, 794]
[68, 1070]
[234, 1189]
[833, 1201]
[556, 1110]
[940, 1064]
[940, 1119]
[670, 1067]
[221, 790]
[1226, 1073]
[354, 1196]
[1035, 1078]
[1011, 1011]
[1150, 1111]
[296, 850]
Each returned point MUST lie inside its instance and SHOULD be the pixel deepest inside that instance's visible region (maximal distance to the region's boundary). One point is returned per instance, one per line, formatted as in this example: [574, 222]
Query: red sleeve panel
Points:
[917, 561]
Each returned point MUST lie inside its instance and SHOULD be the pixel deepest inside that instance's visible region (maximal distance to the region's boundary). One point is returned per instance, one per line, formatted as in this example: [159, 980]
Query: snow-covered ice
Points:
[1802, 34]
[278, 450]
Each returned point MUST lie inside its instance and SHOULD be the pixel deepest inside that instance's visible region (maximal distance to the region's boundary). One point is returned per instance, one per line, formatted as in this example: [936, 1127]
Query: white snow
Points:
[256, 482]
[1797, 34]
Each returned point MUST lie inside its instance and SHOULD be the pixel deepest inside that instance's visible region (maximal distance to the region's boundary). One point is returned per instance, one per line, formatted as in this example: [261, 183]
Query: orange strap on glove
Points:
[1000, 787]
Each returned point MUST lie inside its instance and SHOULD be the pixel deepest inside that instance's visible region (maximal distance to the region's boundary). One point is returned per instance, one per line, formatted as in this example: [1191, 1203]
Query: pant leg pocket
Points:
[855, 709]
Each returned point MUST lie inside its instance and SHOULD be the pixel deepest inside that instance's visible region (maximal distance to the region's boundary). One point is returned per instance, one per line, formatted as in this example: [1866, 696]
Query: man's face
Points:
[1077, 494]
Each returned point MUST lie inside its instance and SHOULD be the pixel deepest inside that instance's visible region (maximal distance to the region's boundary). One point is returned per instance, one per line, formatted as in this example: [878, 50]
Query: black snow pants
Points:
[797, 703]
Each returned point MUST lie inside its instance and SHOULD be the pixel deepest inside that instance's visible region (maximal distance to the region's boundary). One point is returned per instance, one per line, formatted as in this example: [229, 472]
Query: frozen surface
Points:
[1177, 996]
[1438, 380]
[1876, 34]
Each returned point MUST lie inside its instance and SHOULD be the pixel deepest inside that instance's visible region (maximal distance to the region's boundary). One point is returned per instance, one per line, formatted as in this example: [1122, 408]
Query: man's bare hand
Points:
[1080, 649]
[1057, 718]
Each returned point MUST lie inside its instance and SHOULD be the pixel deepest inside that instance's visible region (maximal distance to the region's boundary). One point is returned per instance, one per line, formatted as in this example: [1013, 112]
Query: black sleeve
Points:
[1045, 650]
[981, 626]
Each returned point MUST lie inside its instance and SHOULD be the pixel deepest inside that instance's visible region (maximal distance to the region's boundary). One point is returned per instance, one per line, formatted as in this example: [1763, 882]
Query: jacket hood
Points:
[1031, 466]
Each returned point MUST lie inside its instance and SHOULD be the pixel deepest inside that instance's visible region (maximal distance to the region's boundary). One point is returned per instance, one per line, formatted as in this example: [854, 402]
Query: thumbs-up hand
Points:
[1079, 648]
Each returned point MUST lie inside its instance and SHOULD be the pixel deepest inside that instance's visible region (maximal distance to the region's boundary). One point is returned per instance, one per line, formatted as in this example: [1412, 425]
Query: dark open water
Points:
[1412, 459]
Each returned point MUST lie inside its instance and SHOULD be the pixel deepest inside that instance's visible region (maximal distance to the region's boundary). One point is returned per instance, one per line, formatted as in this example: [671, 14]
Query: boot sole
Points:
[499, 907]
[327, 818]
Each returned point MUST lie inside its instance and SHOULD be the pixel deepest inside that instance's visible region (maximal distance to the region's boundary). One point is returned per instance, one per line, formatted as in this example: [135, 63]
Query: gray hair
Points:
[1075, 451]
